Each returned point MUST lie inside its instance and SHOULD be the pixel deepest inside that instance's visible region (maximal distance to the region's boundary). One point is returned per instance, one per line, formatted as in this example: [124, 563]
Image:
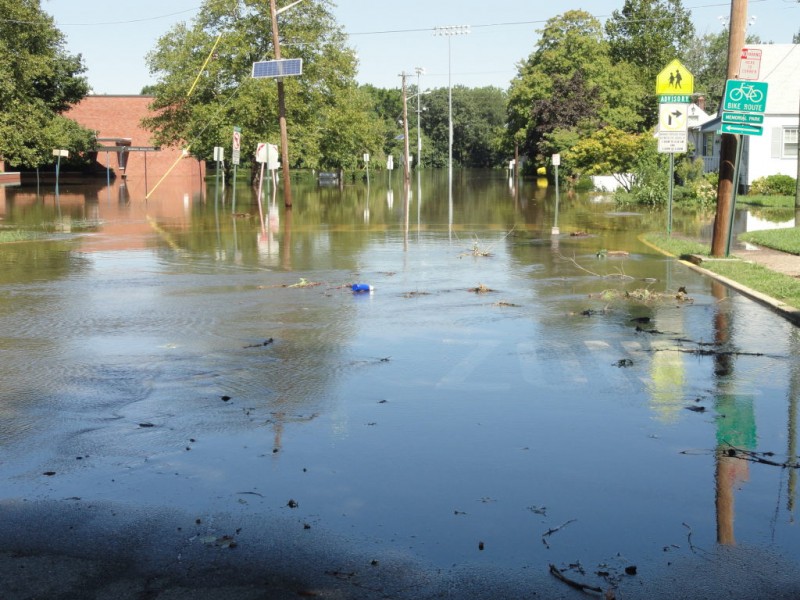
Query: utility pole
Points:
[727, 151]
[403, 75]
[287, 187]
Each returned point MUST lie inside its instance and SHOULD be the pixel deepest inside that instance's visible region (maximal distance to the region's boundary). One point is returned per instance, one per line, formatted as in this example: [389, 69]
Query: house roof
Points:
[780, 68]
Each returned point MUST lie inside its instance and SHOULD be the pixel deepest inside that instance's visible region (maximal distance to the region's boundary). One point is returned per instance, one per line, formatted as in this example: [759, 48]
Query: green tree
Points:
[318, 103]
[648, 34]
[569, 87]
[39, 80]
[478, 126]
[609, 151]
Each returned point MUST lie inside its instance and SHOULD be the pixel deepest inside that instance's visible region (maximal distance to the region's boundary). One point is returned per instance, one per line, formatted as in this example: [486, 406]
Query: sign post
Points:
[556, 160]
[235, 156]
[674, 88]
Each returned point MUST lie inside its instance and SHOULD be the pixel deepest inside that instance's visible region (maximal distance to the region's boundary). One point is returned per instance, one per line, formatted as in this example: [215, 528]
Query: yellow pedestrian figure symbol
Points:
[674, 79]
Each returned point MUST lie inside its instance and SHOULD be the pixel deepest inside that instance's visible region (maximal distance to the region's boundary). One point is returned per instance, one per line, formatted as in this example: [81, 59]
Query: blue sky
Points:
[388, 37]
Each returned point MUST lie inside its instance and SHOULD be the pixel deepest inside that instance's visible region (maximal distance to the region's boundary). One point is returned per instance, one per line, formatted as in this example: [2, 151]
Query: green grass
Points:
[676, 245]
[15, 235]
[785, 240]
[756, 277]
[776, 285]
[766, 201]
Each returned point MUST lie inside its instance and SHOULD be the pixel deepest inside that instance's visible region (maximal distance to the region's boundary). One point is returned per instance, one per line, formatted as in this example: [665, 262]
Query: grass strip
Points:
[756, 277]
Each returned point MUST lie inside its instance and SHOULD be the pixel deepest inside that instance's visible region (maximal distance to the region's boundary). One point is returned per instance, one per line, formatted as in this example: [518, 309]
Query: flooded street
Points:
[186, 384]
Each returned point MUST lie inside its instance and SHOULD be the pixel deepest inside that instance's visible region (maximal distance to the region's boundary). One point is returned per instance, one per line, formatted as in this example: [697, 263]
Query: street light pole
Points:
[419, 71]
[450, 31]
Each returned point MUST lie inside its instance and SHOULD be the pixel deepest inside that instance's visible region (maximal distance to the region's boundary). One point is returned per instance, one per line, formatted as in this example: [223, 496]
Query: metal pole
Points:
[405, 133]
[671, 190]
[450, 31]
[555, 223]
[287, 188]
[419, 71]
[739, 146]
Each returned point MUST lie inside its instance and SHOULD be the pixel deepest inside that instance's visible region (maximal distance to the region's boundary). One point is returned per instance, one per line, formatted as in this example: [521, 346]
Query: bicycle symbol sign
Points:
[745, 96]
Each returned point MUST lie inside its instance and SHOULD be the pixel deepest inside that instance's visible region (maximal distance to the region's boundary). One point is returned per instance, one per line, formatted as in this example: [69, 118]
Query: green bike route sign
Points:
[745, 96]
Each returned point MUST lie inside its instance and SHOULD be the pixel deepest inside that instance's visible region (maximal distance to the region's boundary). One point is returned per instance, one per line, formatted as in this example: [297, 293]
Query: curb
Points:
[789, 313]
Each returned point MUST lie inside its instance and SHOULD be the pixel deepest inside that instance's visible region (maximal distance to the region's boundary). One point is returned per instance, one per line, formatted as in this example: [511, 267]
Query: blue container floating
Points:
[362, 287]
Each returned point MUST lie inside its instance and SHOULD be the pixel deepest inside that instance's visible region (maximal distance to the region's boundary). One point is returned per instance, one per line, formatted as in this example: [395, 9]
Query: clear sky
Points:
[389, 37]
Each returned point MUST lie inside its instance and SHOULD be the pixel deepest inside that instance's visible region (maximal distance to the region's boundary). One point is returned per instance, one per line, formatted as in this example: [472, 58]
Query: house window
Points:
[708, 144]
[790, 142]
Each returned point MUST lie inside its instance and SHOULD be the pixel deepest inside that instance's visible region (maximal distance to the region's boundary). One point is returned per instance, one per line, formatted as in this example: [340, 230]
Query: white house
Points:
[776, 150]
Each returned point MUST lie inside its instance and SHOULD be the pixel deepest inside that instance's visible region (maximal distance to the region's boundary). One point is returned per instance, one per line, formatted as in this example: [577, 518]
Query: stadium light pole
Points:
[449, 31]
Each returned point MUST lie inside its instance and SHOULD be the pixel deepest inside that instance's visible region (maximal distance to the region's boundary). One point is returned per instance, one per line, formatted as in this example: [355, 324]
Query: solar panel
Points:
[285, 67]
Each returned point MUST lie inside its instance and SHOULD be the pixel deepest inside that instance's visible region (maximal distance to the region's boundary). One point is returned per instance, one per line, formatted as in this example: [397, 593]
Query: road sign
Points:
[750, 64]
[672, 142]
[237, 145]
[672, 117]
[742, 129]
[748, 118]
[674, 79]
[745, 96]
[285, 67]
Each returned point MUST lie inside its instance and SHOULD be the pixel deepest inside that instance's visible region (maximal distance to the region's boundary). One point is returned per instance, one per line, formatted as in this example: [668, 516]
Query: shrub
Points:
[774, 185]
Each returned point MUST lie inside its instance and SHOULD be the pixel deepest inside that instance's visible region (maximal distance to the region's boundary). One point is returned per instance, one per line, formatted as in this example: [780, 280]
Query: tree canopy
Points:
[570, 85]
[39, 80]
[327, 114]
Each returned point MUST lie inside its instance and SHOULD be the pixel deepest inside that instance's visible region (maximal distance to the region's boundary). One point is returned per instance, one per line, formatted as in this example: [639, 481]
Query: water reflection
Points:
[433, 407]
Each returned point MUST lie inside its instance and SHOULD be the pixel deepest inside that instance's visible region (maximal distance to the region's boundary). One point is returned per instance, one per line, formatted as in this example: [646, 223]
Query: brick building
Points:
[117, 121]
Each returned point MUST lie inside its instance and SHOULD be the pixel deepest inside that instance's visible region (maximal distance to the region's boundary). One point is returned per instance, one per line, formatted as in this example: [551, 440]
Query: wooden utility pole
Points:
[727, 151]
[287, 184]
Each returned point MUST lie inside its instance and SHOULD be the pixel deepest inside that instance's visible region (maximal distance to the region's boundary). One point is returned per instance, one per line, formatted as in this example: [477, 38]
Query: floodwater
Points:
[504, 398]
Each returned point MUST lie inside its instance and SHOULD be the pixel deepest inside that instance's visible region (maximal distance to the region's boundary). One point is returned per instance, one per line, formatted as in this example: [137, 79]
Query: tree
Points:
[648, 34]
[39, 80]
[609, 151]
[225, 94]
[569, 87]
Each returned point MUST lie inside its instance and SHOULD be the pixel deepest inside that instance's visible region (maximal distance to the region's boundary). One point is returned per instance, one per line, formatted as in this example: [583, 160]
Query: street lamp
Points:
[419, 71]
[449, 31]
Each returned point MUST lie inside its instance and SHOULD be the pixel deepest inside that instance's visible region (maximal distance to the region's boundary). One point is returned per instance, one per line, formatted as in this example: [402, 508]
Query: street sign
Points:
[674, 79]
[750, 64]
[237, 145]
[742, 129]
[219, 154]
[749, 118]
[745, 96]
[672, 142]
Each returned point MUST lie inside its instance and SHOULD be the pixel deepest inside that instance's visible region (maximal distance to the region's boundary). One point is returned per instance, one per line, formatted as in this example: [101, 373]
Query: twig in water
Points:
[689, 538]
[584, 587]
[550, 532]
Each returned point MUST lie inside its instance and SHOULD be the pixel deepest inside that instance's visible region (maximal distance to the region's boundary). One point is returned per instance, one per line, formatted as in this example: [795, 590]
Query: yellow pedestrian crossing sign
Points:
[674, 79]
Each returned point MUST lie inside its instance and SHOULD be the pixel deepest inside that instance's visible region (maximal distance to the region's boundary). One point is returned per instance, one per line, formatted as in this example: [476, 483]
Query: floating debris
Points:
[266, 342]
[480, 289]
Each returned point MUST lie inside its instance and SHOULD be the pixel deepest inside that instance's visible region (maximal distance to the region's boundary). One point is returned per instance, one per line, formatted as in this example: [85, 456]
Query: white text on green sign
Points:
[674, 99]
[745, 96]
